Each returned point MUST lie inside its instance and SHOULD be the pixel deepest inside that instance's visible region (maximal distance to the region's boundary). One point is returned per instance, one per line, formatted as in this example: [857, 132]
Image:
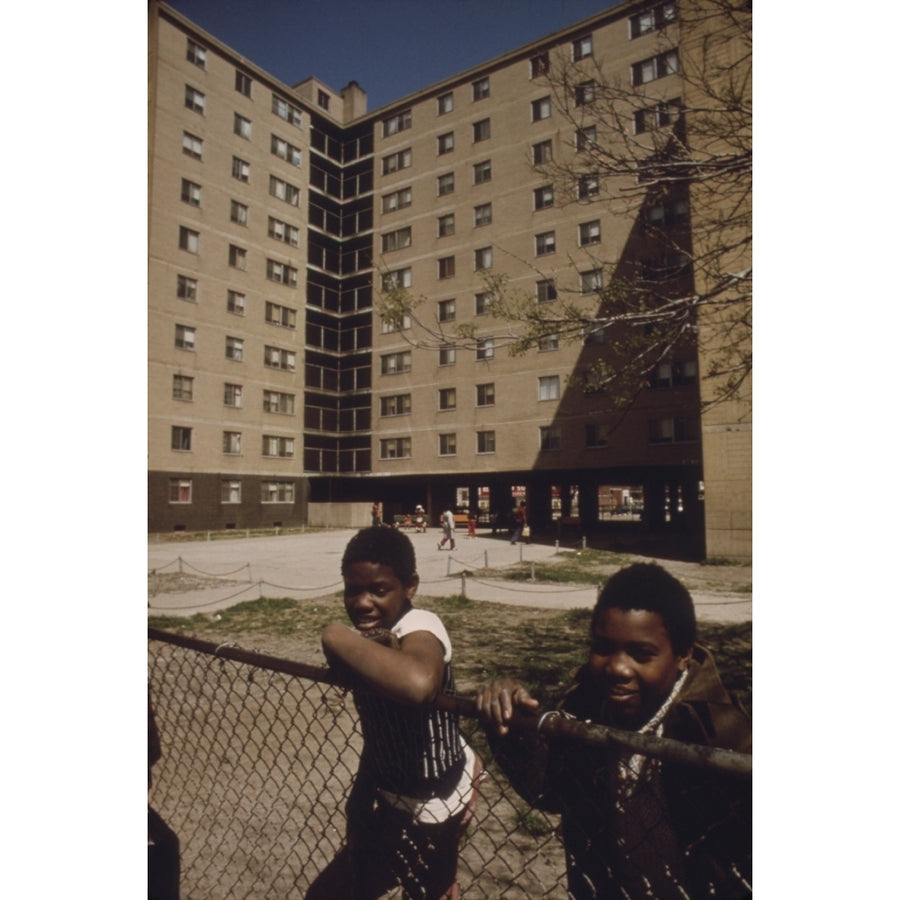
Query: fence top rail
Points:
[549, 724]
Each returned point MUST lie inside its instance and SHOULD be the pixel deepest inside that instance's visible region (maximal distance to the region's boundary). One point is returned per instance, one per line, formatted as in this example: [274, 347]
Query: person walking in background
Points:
[416, 786]
[448, 523]
[473, 522]
[421, 525]
[520, 521]
[376, 514]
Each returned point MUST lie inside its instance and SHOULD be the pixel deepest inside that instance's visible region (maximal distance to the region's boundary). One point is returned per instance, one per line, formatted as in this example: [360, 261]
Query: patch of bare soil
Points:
[179, 583]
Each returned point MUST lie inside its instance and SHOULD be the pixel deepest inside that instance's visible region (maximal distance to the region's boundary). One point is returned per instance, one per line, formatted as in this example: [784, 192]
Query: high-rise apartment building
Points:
[281, 217]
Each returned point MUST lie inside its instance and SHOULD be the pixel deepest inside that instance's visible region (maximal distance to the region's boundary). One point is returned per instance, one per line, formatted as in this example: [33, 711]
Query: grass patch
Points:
[542, 648]
[572, 567]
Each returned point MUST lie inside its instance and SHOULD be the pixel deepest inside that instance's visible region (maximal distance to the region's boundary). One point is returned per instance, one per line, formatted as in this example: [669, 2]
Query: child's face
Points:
[374, 597]
[632, 663]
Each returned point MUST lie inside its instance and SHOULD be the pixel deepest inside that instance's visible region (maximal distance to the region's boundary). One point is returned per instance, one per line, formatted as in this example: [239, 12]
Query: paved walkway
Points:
[232, 571]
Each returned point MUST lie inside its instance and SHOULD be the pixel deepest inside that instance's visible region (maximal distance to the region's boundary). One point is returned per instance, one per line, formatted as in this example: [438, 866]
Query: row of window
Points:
[273, 357]
[279, 402]
[581, 48]
[667, 430]
[187, 288]
[485, 395]
[279, 272]
[273, 445]
[181, 490]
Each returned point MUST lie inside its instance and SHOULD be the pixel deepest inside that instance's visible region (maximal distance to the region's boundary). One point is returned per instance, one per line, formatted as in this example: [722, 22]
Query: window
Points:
[239, 212]
[655, 67]
[231, 442]
[589, 233]
[447, 398]
[484, 394]
[396, 200]
[236, 303]
[548, 342]
[481, 130]
[275, 445]
[447, 267]
[242, 126]
[446, 225]
[196, 54]
[181, 437]
[278, 402]
[588, 186]
[324, 100]
[286, 151]
[546, 290]
[234, 395]
[237, 257]
[672, 374]
[396, 448]
[550, 438]
[445, 184]
[483, 214]
[652, 19]
[278, 358]
[240, 169]
[286, 111]
[591, 281]
[187, 288]
[543, 197]
[584, 93]
[396, 240]
[243, 83]
[192, 145]
[663, 215]
[185, 337]
[277, 492]
[585, 138]
[582, 47]
[284, 191]
[280, 315]
[484, 258]
[234, 348]
[447, 355]
[231, 492]
[182, 387]
[482, 172]
[447, 310]
[542, 152]
[548, 387]
[540, 109]
[281, 273]
[399, 278]
[540, 64]
[194, 99]
[396, 405]
[445, 103]
[396, 123]
[394, 363]
[394, 162]
[485, 442]
[180, 490]
[282, 231]
[447, 444]
[545, 243]
[445, 143]
[659, 116]
[188, 240]
[481, 89]
[673, 430]
[484, 348]
[484, 301]
[595, 435]
[389, 326]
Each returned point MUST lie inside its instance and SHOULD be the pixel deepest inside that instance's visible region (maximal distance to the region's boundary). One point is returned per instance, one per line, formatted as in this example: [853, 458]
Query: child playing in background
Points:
[631, 825]
[415, 787]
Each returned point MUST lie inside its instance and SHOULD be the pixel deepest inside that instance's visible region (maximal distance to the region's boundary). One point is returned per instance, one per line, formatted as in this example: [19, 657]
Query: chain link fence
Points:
[258, 758]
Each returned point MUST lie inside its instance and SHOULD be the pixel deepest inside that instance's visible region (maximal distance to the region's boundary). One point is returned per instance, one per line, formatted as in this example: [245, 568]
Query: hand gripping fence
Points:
[259, 755]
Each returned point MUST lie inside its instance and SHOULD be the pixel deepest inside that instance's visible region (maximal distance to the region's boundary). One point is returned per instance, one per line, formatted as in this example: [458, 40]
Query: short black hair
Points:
[650, 587]
[386, 546]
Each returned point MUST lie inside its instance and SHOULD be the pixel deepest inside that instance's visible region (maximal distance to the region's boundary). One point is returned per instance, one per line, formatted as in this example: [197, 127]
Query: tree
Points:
[673, 157]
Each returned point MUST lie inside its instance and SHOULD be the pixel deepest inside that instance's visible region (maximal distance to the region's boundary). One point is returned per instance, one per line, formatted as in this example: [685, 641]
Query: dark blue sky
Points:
[390, 47]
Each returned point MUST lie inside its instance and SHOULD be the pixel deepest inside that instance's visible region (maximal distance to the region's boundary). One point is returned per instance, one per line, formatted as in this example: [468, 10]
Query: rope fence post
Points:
[462, 586]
